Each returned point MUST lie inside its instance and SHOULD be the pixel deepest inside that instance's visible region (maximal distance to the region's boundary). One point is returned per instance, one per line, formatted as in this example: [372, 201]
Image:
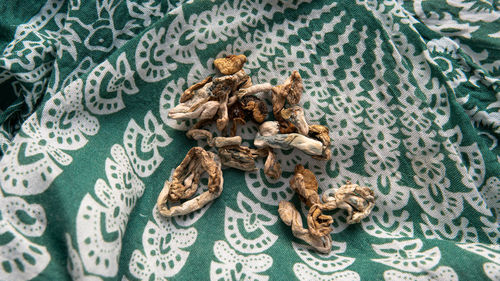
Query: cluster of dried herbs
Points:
[229, 100]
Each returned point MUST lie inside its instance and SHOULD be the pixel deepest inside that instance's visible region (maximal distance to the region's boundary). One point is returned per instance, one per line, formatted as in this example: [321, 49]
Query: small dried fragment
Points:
[189, 92]
[272, 167]
[230, 64]
[295, 115]
[290, 91]
[290, 216]
[305, 184]
[185, 180]
[239, 157]
[222, 87]
[321, 133]
[199, 134]
[289, 141]
[357, 200]
[226, 141]
[269, 128]
[256, 107]
[199, 106]
[237, 116]
[254, 89]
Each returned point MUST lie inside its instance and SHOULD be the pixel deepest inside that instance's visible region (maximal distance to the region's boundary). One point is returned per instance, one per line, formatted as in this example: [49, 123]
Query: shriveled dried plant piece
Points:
[199, 106]
[239, 157]
[272, 167]
[295, 115]
[222, 88]
[230, 64]
[226, 141]
[269, 128]
[255, 107]
[288, 141]
[357, 200]
[254, 89]
[237, 116]
[185, 180]
[189, 92]
[321, 133]
[290, 216]
[305, 184]
[199, 134]
[290, 91]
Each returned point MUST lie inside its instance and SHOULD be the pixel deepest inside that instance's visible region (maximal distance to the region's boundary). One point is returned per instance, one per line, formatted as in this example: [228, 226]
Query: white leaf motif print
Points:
[20, 258]
[151, 56]
[100, 226]
[164, 254]
[32, 167]
[139, 142]
[304, 273]
[441, 273]
[250, 220]
[233, 266]
[407, 255]
[106, 84]
[326, 263]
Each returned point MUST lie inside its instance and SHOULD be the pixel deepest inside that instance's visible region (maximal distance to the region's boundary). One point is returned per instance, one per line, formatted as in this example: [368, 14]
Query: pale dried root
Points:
[272, 167]
[290, 216]
[185, 181]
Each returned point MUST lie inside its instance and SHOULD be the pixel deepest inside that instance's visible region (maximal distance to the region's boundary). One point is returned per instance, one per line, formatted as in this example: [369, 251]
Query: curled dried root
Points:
[185, 180]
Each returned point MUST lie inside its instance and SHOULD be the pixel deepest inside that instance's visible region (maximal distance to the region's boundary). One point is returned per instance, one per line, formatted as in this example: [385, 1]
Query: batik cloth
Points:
[409, 90]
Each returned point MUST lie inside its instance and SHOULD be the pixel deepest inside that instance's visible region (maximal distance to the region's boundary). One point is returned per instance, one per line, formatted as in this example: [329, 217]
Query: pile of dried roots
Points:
[229, 100]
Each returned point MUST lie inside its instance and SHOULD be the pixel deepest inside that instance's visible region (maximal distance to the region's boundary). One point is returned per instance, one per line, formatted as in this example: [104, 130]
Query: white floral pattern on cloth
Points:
[411, 261]
[20, 258]
[100, 226]
[408, 90]
[491, 252]
[164, 254]
[246, 233]
[30, 164]
[323, 267]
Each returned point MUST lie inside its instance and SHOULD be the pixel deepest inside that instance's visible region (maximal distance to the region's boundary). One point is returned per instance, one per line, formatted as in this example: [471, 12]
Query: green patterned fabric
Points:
[409, 89]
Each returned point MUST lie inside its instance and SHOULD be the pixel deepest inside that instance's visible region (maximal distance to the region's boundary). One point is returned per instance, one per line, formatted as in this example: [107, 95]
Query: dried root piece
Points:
[199, 134]
[198, 106]
[254, 89]
[272, 167]
[295, 115]
[189, 92]
[269, 128]
[290, 91]
[239, 157]
[321, 133]
[185, 183]
[357, 200]
[222, 87]
[305, 184]
[289, 141]
[256, 107]
[290, 216]
[230, 64]
[237, 116]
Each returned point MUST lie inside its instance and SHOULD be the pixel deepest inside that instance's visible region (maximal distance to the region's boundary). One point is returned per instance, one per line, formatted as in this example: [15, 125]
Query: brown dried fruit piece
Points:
[230, 64]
